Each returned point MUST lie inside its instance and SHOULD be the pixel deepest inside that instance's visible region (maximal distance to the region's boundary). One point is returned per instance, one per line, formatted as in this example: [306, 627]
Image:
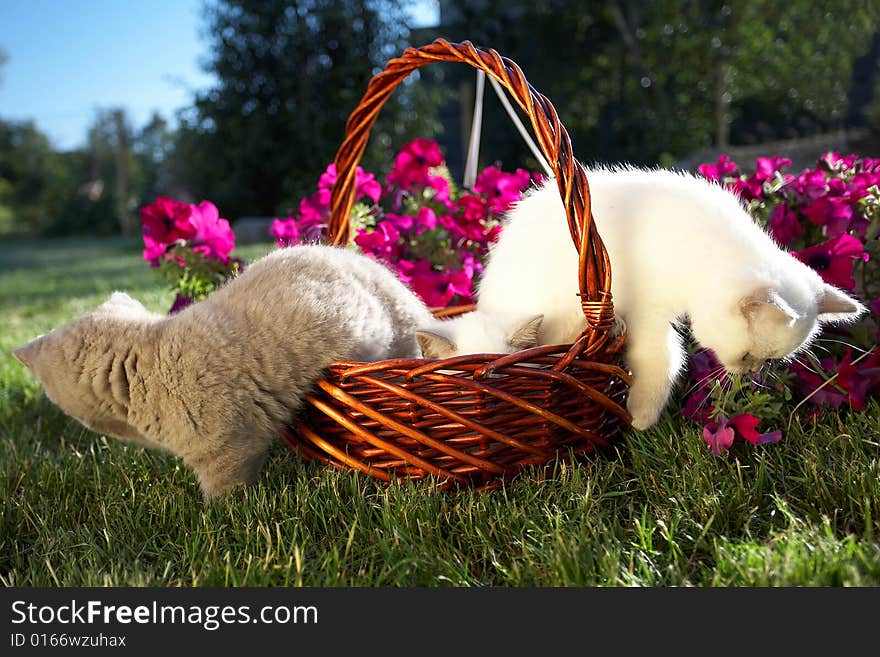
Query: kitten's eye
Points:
[746, 357]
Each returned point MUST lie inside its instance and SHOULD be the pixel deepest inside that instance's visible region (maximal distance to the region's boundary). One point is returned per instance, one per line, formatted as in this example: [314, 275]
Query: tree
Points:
[288, 74]
[651, 82]
[33, 179]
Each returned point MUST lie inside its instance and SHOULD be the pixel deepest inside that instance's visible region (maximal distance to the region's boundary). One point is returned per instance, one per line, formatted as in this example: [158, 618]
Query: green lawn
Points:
[79, 509]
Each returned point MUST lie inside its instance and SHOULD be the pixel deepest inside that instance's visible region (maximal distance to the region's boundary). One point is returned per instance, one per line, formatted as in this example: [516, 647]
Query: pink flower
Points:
[784, 226]
[836, 162]
[720, 170]
[437, 288]
[502, 189]
[381, 242]
[366, 184]
[766, 167]
[744, 426]
[402, 222]
[808, 383]
[720, 434]
[166, 221]
[153, 250]
[314, 210]
[860, 182]
[747, 188]
[214, 237]
[440, 186]
[426, 219]
[285, 232]
[857, 381]
[810, 184]
[875, 306]
[834, 259]
[412, 164]
[833, 213]
[473, 208]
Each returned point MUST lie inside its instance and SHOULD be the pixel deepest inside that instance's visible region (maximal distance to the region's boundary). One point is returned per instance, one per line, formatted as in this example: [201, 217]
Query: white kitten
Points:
[479, 332]
[680, 247]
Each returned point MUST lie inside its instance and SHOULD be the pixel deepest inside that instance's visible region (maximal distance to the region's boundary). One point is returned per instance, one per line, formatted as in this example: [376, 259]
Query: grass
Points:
[79, 509]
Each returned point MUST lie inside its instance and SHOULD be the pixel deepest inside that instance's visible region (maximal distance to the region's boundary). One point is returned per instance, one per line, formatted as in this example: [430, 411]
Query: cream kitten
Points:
[214, 383]
[680, 247]
[478, 332]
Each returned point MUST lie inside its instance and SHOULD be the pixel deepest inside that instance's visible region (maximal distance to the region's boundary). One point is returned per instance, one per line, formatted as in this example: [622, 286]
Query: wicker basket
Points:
[476, 419]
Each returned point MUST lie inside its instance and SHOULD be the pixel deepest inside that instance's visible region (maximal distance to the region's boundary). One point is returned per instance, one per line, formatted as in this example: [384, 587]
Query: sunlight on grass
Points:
[79, 509]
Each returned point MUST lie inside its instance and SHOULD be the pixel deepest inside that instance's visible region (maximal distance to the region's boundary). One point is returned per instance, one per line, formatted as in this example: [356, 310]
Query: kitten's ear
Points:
[525, 336]
[765, 302]
[434, 345]
[26, 354]
[835, 305]
[119, 300]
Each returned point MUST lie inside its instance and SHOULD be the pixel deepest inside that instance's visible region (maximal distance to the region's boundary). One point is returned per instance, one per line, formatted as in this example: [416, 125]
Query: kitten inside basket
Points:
[680, 248]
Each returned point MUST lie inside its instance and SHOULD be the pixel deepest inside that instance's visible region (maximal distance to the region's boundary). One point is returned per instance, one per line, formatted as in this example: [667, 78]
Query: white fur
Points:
[479, 332]
[680, 247]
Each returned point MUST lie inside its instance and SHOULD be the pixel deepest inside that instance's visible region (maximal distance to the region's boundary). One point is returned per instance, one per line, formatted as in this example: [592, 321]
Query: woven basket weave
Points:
[476, 419]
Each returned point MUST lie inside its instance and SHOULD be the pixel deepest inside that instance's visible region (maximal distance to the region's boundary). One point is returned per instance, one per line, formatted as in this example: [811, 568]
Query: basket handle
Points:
[594, 276]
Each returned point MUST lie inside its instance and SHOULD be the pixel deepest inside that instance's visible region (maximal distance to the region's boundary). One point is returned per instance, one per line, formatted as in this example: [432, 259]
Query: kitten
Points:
[680, 247]
[213, 383]
[478, 332]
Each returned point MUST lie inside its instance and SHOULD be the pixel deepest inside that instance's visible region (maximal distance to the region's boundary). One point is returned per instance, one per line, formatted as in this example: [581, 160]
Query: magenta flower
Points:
[426, 219]
[153, 250]
[381, 242]
[810, 184]
[502, 189]
[314, 210]
[285, 231]
[721, 169]
[718, 436]
[473, 208]
[722, 432]
[784, 225]
[402, 222]
[860, 182]
[834, 260]
[836, 162]
[857, 381]
[366, 184]
[810, 384]
[214, 237]
[437, 288]
[412, 164]
[833, 213]
[744, 426]
[766, 167]
[697, 408]
[747, 188]
[875, 306]
[165, 221]
[440, 186]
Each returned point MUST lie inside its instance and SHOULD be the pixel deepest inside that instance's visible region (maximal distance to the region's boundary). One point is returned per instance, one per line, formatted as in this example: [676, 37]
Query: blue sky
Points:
[69, 57]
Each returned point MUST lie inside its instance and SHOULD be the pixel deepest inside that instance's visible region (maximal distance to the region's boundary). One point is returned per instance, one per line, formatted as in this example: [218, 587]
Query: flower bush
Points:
[434, 235]
[828, 217]
[190, 246]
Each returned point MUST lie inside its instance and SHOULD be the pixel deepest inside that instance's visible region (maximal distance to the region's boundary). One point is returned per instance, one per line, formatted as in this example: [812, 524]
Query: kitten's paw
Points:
[645, 412]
